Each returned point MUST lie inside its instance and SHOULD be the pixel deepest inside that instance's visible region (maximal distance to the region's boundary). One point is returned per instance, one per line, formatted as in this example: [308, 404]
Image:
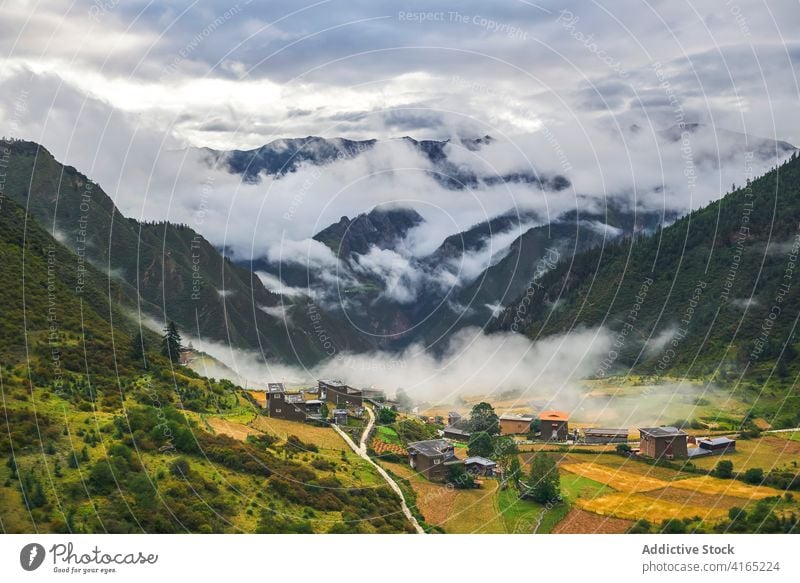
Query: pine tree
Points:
[171, 343]
[137, 349]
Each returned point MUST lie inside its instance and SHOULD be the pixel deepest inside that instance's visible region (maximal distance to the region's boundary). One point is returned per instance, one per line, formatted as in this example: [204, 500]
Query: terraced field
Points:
[617, 479]
[633, 506]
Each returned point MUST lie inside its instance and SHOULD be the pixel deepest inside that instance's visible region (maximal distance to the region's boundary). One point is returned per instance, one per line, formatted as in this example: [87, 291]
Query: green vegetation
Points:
[543, 480]
[102, 440]
[704, 265]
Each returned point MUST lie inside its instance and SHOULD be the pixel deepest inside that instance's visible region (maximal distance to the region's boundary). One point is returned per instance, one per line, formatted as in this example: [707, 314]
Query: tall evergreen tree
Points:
[137, 349]
[171, 343]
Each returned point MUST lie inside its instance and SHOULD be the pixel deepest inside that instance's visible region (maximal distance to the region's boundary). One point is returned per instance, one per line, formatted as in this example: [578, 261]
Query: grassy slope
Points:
[600, 288]
[155, 263]
[92, 441]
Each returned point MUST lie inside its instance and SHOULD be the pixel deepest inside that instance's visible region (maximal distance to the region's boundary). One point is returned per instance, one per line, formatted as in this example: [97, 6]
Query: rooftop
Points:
[604, 431]
[662, 431]
[553, 416]
[432, 447]
[332, 383]
[481, 461]
[275, 387]
[717, 440]
[516, 417]
[456, 429]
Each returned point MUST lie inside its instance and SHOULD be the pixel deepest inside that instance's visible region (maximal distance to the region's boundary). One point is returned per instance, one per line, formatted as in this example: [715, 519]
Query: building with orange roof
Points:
[554, 425]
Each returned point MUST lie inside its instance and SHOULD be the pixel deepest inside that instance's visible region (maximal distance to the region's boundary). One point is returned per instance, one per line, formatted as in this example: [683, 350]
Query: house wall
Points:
[605, 439]
[280, 409]
[511, 427]
[656, 447]
[548, 426]
[341, 399]
[427, 466]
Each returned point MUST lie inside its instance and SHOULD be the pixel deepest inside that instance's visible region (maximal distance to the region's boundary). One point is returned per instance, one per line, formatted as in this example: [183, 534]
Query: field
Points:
[324, 437]
[581, 522]
[632, 506]
[766, 452]
[615, 478]
[709, 485]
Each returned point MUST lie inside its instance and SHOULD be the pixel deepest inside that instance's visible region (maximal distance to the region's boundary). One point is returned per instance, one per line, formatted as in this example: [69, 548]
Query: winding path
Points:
[361, 450]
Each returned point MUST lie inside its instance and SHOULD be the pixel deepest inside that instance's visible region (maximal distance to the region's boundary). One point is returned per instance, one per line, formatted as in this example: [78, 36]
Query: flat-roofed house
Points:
[284, 405]
[458, 431]
[340, 395]
[432, 458]
[554, 425]
[605, 435]
[480, 466]
[717, 445]
[515, 423]
[666, 442]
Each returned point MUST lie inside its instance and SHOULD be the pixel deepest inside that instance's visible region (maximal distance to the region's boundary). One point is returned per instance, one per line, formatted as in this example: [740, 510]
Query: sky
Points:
[121, 90]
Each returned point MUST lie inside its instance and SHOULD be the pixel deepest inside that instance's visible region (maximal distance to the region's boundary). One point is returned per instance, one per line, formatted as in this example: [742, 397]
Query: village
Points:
[469, 467]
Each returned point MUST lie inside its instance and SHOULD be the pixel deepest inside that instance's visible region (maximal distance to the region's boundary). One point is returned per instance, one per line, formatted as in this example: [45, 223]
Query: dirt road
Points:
[361, 450]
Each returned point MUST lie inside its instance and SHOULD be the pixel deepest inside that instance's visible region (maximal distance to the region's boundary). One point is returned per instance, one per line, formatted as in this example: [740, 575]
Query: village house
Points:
[458, 431]
[291, 405]
[453, 417]
[554, 425]
[285, 405]
[432, 458]
[340, 395]
[376, 396]
[480, 466]
[666, 442]
[605, 435]
[340, 416]
[515, 423]
[712, 446]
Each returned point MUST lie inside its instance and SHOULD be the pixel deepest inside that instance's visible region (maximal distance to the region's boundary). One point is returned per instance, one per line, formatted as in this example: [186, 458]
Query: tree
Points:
[754, 476]
[480, 443]
[171, 343]
[544, 483]
[459, 477]
[137, 349]
[514, 470]
[483, 418]
[724, 469]
[386, 416]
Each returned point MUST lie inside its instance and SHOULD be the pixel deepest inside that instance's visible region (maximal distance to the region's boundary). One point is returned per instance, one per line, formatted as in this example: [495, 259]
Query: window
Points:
[437, 462]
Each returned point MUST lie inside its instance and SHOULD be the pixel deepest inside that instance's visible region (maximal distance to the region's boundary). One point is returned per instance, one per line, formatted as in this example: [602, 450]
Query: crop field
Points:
[324, 437]
[579, 521]
[633, 506]
[382, 447]
[767, 452]
[709, 485]
[618, 479]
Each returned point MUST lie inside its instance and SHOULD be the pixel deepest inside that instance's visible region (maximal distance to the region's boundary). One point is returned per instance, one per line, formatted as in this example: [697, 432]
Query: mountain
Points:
[715, 293]
[287, 155]
[731, 145]
[168, 271]
[382, 227]
[98, 439]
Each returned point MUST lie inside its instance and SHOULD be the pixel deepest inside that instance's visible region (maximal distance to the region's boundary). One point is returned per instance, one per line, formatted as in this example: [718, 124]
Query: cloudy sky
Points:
[118, 89]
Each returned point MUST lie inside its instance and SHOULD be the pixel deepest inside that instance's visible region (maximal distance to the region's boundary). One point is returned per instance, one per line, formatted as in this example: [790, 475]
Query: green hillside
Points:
[94, 440]
[170, 271]
[715, 295]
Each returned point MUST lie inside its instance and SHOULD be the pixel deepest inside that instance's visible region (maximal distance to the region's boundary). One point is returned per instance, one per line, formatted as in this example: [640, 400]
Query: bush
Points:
[386, 416]
[723, 470]
[754, 476]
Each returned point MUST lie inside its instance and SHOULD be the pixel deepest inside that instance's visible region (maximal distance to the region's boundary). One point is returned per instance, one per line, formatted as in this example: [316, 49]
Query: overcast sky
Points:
[115, 88]
[238, 74]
